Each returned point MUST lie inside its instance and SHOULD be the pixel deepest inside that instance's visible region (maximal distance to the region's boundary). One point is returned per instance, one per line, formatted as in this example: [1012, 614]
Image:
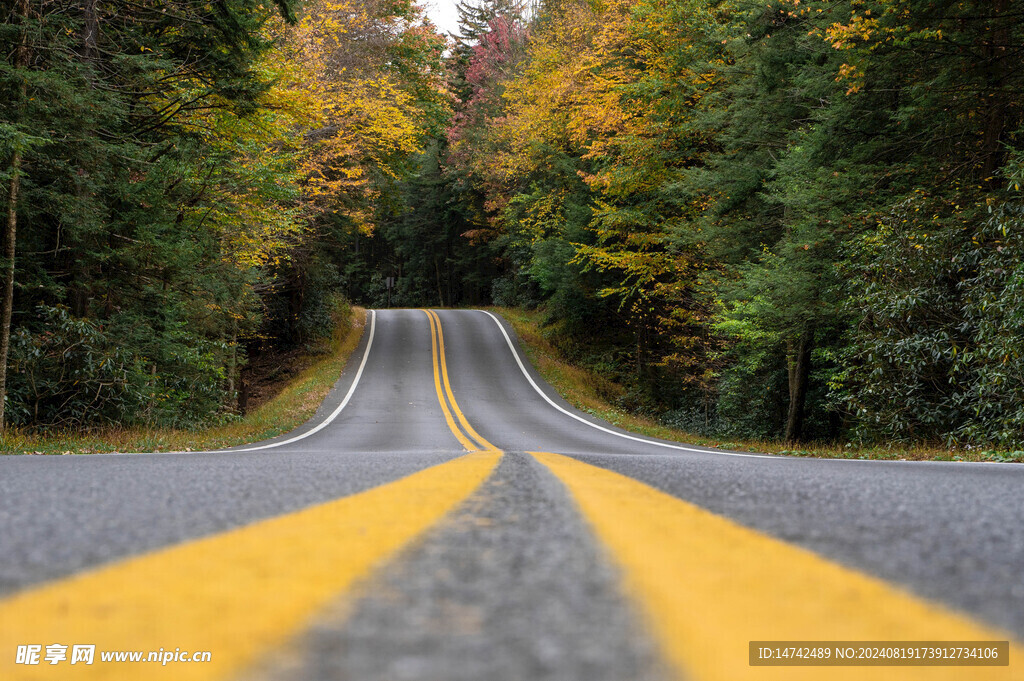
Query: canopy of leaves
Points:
[181, 162]
[793, 218]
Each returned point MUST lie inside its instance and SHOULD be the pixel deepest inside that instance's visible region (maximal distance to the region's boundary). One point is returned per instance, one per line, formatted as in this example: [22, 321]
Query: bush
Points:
[936, 353]
[71, 374]
[79, 373]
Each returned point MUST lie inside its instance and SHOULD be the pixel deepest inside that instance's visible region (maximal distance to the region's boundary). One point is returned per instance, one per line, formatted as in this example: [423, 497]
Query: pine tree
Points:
[475, 17]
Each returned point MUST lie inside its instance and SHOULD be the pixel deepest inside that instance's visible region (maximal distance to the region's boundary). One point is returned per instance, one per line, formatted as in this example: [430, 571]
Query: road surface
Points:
[447, 516]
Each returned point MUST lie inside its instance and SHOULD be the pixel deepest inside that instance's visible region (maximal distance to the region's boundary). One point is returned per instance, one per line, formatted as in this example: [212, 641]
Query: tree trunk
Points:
[9, 239]
[90, 30]
[151, 407]
[243, 393]
[799, 361]
[639, 352]
[996, 114]
[7, 308]
[440, 291]
[80, 292]
[232, 362]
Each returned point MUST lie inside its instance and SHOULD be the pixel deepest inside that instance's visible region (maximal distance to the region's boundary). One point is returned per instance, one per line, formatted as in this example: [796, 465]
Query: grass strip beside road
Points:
[240, 594]
[591, 393]
[709, 586]
[289, 409]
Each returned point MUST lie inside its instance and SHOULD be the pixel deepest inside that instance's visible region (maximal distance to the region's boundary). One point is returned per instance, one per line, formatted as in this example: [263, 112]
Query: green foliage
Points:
[423, 242]
[795, 219]
[77, 373]
[935, 353]
[173, 186]
[132, 178]
[71, 375]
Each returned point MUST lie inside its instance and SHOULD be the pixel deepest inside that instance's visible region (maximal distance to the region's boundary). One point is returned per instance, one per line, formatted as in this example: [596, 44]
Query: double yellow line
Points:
[466, 435]
[239, 594]
[708, 586]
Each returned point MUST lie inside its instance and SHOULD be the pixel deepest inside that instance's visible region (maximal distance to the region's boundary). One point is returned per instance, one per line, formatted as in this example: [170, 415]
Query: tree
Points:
[115, 177]
[792, 162]
[9, 239]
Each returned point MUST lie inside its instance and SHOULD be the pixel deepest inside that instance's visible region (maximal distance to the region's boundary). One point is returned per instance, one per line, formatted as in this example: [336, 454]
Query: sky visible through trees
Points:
[444, 14]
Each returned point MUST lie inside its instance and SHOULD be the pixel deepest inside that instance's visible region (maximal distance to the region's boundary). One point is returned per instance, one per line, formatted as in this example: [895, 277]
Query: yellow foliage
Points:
[359, 121]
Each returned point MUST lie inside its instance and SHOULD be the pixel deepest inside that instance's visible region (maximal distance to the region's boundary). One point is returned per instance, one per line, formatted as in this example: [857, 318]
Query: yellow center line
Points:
[709, 586]
[468, 444]
[237, 594]
[437, 347]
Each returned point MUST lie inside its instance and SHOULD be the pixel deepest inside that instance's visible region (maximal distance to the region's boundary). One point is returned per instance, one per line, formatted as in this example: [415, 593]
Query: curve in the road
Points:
[344, 402]
[577, 417]
[465, 433]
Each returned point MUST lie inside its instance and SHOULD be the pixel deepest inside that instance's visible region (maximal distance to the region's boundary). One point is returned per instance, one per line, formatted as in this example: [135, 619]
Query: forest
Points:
[791, 219]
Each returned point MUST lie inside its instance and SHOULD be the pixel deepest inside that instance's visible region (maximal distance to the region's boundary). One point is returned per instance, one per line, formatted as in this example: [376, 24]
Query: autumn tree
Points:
[201, 149]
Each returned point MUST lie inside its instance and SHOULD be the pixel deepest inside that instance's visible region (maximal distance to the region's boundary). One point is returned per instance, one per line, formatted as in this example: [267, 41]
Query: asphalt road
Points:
[528, 571]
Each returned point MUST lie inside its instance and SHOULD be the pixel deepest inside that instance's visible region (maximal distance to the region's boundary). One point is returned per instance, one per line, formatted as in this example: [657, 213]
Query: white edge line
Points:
[720, 452]
[334, 414]
[568, 413]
